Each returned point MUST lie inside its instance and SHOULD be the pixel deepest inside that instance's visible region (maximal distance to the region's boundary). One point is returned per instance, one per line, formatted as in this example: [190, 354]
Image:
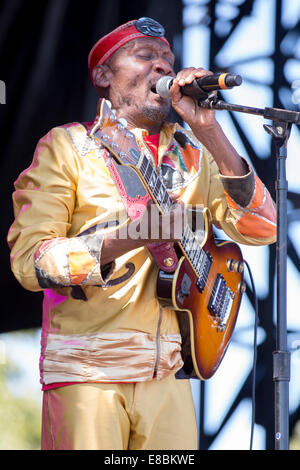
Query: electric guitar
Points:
[207, 286]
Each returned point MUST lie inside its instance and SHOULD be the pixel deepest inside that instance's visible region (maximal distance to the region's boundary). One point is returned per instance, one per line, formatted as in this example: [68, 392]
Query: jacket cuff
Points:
[240, 188]
[67, 262]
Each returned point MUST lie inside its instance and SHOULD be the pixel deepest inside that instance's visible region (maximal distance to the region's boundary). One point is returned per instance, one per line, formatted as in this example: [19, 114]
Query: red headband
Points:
[107, 45]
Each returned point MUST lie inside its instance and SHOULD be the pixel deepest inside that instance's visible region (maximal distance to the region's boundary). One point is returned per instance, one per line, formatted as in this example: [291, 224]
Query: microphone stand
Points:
[280, 132]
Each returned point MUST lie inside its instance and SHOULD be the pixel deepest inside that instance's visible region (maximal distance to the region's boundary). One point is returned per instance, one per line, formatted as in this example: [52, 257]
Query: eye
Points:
[145, 54]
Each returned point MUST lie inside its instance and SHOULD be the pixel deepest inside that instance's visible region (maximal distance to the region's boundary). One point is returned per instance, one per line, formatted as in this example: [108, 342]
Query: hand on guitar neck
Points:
[151, 227]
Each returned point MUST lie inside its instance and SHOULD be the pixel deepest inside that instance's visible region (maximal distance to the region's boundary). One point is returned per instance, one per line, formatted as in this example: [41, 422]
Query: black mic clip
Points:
[209, 100]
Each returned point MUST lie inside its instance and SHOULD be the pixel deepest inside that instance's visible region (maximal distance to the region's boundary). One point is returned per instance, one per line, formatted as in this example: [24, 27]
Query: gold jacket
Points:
[104, 323]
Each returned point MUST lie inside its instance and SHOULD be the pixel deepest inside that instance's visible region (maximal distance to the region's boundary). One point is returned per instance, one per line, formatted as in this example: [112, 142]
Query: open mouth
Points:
[153, 89]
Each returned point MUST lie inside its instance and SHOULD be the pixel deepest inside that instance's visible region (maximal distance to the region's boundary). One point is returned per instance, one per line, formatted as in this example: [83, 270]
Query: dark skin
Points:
[128, 77]
[128, 80]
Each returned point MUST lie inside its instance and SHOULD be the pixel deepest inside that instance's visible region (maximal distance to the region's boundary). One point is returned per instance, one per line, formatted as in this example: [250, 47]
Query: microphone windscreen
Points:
[163, 85]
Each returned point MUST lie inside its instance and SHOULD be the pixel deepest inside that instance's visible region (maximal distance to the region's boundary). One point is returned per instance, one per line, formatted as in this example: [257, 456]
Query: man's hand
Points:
[204, 124]
[151, 227]
[155, 227]
[199, 119]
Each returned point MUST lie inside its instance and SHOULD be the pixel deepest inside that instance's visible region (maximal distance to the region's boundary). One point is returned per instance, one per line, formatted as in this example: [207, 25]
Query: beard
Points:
[156, 114]
[143, 114]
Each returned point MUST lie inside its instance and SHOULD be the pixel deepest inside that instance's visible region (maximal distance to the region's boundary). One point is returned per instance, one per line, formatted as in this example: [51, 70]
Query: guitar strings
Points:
[160, 194]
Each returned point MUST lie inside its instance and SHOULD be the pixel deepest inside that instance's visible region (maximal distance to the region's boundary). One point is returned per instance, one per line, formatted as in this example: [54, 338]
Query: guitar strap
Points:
[135, 199]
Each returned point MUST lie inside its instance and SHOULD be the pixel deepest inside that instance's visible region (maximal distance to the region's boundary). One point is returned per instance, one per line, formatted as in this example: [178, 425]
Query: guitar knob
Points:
[236, 266]
[230, 264]
[242, 287]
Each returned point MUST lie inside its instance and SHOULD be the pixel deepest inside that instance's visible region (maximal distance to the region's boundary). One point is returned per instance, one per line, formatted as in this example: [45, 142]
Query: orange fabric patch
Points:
[191, 158]
[252, 226]
[80, 264]
[231, 202]
[259, 223]
[259, 193]
[268, 210]
[259, 219]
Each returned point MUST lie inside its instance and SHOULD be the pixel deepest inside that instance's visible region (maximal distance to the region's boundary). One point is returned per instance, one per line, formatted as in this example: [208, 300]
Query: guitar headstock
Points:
[113, 134]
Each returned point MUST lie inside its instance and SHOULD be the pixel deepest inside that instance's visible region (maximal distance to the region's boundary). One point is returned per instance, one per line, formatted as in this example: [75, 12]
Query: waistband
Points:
[109, 357]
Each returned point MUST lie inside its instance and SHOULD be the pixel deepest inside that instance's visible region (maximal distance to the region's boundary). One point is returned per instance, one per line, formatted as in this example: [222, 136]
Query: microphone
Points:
[200, 87]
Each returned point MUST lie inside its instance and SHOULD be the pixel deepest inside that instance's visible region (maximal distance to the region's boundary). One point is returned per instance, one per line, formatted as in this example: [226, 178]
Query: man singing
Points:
[110, 353]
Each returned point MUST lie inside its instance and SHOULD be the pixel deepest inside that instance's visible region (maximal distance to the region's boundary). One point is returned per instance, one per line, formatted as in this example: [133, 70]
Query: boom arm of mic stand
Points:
[280, 132]
[274, 114]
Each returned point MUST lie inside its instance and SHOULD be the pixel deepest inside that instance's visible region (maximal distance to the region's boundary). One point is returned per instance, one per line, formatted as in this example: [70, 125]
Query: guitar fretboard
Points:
[155, 185]
[199, 259]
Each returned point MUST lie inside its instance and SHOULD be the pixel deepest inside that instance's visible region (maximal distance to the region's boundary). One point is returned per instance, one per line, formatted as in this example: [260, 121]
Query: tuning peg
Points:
[123, 122]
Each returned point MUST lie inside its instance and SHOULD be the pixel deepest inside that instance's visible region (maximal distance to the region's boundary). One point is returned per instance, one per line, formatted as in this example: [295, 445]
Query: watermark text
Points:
[2, 92]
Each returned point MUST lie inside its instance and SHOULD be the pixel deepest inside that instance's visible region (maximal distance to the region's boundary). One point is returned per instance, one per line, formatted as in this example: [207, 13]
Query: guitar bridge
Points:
[220, 301]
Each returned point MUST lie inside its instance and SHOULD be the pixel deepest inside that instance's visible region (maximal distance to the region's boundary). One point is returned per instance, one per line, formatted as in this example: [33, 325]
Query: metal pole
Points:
[281, 357]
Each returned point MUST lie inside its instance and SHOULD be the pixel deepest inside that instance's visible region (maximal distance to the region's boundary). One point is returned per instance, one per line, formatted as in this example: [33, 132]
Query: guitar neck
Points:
[155, 185]
[198, 258]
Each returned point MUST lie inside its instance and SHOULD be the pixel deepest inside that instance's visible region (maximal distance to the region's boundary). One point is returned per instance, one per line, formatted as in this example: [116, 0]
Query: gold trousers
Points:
[156, 415]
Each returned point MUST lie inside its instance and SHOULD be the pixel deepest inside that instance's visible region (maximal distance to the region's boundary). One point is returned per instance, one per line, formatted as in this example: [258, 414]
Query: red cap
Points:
[107, 45]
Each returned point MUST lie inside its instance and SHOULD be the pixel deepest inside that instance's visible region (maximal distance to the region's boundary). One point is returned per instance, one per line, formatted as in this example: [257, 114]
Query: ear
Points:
[101, 76]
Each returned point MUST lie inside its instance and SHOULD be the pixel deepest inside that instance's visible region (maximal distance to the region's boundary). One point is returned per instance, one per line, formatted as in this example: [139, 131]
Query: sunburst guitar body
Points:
[211, 300]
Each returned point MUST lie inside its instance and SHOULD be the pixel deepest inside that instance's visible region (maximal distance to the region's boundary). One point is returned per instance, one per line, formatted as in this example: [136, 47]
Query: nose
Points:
[163, 67]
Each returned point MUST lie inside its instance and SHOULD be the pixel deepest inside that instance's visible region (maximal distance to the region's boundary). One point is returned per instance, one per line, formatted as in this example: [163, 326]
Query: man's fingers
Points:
[174, 196]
